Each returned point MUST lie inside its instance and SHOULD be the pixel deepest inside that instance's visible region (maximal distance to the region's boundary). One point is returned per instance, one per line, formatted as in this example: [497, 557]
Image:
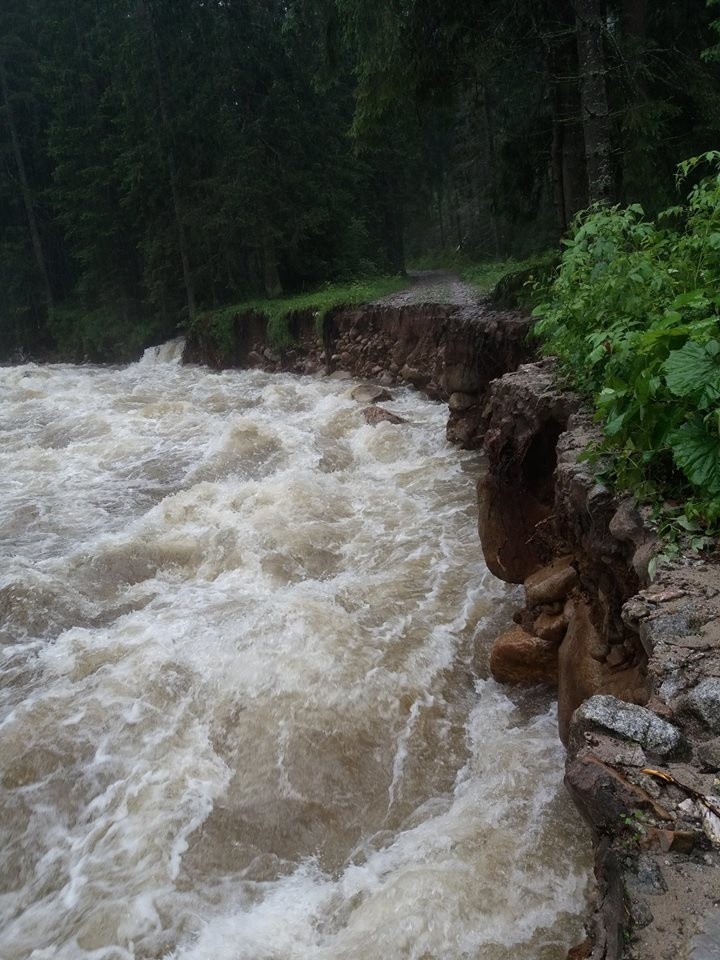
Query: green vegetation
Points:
[320, 301]
[634, 316]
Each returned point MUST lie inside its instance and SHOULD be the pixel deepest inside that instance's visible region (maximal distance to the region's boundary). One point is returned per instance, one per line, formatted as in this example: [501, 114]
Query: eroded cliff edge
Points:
[637, 669]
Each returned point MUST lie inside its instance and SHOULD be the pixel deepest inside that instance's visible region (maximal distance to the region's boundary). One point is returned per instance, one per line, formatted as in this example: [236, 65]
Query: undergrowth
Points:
[633, 315]
[220, 321]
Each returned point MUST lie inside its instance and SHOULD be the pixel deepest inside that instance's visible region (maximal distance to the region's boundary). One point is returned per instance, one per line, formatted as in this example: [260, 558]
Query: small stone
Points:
[704, 702]
[551, 583]
[709, 755]
[366, 393]
[616, 655]
[648, 877]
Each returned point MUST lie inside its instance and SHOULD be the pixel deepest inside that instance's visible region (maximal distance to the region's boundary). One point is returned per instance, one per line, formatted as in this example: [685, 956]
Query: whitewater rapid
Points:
[241, 716]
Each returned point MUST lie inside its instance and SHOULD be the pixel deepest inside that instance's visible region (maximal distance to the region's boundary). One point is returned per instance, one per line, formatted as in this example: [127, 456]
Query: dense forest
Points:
[163, 157]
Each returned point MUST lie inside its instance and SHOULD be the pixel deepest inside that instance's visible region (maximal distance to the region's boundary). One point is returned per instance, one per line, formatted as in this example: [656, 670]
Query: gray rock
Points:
[341, 375]
[709, 754]
[648, 878]
[366, 393]
[631, 722]
[461, 401]
[704, 702]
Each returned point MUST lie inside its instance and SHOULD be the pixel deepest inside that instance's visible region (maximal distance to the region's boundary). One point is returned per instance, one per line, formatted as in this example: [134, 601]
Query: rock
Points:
[271, 356]
[461, 401]
[366, 393]
[648, 878]
[386, 379]
[375, 415]
[551, 583]
[414, 376]
[254, 358]
[604, 796]
[704, 702]
[709, 755]
[341, 375]
[629, 721]
[581, 674]
[519, 657]
[626, 524]
[551, 627]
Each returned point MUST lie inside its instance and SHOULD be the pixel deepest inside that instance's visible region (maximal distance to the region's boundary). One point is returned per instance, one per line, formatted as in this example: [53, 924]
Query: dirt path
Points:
[433, 286]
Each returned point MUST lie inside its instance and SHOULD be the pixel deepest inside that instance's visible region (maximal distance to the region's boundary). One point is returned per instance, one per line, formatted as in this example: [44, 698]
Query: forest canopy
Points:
[161, 157]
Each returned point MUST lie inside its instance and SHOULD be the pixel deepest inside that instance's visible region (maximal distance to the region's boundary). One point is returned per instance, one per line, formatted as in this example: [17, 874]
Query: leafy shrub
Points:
[632, 312]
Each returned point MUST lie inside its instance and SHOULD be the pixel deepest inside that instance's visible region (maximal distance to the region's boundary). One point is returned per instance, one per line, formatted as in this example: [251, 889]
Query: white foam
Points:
[239, 719]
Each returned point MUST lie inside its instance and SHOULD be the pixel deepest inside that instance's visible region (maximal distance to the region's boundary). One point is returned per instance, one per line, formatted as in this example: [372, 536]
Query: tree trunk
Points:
[590, 21]
[25, 191]
[556, 28]
[172, 168]
[492, 174]
[271, 277]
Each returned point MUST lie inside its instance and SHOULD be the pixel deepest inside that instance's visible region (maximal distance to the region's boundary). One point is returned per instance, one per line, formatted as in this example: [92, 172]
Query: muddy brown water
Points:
[240, 713]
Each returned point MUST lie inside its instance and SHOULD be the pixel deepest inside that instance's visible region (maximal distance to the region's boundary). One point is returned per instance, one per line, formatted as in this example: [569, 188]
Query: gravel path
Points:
[433, 286]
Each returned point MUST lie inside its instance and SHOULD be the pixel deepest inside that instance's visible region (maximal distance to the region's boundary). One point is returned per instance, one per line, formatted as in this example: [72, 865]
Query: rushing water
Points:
[240, 713]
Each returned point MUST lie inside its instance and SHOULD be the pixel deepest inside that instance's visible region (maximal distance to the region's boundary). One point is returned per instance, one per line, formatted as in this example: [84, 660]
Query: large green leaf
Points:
[693, 372]
[697, 452]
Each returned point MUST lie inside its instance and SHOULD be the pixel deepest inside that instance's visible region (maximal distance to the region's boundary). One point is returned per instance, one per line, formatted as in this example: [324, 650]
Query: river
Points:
[243, 708]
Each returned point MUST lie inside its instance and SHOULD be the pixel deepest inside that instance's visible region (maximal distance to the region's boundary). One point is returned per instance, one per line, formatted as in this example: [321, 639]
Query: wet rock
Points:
[461, 401]
[709, 755]
[704, 702]
[604, 796]
[629, 721]
[367, 393]
[551, 583]
[341, 375]
[386, 379]
[519, 657]
[412, 375]
[648, 879]
[375, 415]
[551, 627]
[271, 356]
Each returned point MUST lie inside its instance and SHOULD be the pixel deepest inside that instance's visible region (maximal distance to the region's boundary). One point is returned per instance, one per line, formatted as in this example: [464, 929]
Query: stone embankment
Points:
[636, 664]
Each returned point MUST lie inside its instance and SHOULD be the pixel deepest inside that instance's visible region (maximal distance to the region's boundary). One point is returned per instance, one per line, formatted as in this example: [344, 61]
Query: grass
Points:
[326, 297]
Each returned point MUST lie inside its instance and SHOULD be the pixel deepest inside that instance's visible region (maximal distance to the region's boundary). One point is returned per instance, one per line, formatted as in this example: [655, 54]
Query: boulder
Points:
[341, 375]
[375, 415]
[704, 702]
[630, 722]
[551, 627]
[367, 393]
[461, 401]
[552, 583]
[519, 657]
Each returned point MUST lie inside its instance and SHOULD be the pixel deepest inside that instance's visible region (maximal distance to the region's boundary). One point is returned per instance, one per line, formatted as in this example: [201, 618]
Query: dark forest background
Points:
[161, 157]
